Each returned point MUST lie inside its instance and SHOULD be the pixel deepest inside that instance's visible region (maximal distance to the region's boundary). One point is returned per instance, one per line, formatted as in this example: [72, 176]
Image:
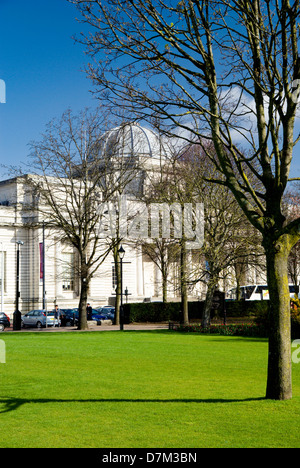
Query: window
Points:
[4, 270]
[114, 277]
[68, 271]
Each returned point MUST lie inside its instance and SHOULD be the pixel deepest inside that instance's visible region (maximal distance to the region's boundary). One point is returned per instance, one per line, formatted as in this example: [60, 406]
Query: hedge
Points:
[171, 311]
[159, 312]
[251, 330]
[262, 320]
[246, 308]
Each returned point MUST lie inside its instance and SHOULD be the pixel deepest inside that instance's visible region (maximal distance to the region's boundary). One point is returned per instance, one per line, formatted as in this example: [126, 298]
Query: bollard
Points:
[17, 320]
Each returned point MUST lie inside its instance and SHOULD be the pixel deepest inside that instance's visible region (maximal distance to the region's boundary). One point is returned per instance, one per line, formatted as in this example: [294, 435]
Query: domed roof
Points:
[131, 139]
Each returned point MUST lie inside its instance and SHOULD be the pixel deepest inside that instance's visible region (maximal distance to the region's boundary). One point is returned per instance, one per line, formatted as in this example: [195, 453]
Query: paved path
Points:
[94, 327]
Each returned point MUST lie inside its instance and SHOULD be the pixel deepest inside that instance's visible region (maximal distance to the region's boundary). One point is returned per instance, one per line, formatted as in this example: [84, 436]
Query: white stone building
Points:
[141, 277]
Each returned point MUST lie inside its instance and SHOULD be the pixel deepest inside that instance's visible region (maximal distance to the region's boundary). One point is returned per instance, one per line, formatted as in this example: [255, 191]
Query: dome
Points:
[131, 139]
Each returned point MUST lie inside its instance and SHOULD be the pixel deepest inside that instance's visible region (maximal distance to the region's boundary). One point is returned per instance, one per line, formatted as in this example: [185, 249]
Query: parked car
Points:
[75, 314]
[96, 315]
[108, 311]
[37, 318]
[69, 317]
[104, 313]
[4, 321]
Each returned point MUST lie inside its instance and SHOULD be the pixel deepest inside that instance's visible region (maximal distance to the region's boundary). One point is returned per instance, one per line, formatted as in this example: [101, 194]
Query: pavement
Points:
[94, 327]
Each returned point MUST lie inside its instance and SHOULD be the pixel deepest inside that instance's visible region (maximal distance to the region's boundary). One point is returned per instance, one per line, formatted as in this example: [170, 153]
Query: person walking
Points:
[89, 311]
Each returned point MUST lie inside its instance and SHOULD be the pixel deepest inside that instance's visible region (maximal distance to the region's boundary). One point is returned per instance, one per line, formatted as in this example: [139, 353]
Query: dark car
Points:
[72, 316]
[96, 316]
[4, 321]
[69, 317]
[108, 311]
[103, 313]
[74, 313]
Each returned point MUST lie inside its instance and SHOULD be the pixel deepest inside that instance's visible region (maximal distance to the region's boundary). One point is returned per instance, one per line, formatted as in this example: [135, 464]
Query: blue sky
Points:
[43, 71]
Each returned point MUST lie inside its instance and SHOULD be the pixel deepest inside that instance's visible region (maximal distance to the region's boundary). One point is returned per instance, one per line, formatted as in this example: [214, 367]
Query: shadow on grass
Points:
[12, 404]
[212, 336]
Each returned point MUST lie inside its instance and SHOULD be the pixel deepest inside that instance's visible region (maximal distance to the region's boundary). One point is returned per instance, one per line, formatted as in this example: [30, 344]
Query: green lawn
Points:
[141, 389]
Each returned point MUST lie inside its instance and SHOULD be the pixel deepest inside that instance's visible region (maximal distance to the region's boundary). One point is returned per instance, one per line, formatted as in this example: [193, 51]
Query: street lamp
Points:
[121, 253]
[127, 293]
[43, 267]
[44, 277]
[17, 313]
[2, 278]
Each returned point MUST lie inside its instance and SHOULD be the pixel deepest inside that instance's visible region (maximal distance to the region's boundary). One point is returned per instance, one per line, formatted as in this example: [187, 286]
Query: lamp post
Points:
[43, 267]
[44, 274]
[121, 253]
[17, 313]
[43, 263]
[2, 278]
[127, 293]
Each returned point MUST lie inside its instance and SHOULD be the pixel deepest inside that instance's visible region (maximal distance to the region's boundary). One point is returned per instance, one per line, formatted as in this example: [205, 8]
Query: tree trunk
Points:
[83, 325]
[163, 261]
[183, 284]
[164, 275]
[164, 289]
[211, 287]
[118, 287]
[279, 382]
[240, 275]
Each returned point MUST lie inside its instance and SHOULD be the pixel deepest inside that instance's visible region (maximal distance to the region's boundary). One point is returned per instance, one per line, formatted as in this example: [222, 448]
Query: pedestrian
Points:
[89, 311]
[57, 315]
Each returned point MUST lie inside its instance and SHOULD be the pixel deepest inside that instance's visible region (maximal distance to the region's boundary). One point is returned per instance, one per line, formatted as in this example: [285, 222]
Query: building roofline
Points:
[14, 179]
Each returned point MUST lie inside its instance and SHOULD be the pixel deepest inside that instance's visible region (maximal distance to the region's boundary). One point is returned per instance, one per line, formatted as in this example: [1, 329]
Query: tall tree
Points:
[224, 70]
[74, 174]
[229, 239]
[177, 191]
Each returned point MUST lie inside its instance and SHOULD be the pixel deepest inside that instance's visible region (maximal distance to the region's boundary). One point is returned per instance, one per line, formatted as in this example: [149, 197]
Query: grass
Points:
[141, 389]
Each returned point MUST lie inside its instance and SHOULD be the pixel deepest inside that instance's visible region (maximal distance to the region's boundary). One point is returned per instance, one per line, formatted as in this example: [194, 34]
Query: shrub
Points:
[151, 312]
[228, 330]
[295, 317]
[245, 308]
[160, 312]
[171, 311]
[262, 318]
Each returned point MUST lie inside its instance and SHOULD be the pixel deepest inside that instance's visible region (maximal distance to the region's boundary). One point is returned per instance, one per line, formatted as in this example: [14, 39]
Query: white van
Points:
[254, 292]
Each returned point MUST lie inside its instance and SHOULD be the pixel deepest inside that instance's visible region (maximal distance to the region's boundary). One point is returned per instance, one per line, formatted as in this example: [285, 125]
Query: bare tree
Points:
[126, 147]
[74, 173]
[229, 239]
[160, 252]
[225, 70]
[170, 186]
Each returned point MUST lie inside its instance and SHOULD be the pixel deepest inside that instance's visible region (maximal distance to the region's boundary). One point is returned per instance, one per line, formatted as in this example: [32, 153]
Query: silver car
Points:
[37, 318]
